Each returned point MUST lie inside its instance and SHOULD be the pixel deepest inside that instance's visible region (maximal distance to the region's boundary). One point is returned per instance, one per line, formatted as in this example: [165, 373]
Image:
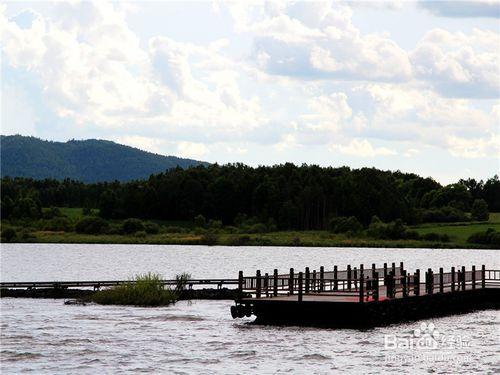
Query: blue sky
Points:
[401, 85]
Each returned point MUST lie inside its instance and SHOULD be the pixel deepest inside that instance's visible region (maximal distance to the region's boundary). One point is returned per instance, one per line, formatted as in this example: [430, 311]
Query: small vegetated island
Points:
[235, 204]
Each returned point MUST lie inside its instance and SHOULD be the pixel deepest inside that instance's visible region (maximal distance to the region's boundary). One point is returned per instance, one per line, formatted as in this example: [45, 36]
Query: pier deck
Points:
[360, 297]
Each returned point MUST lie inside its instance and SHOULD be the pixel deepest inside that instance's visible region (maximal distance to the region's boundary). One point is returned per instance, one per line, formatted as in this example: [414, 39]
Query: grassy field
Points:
[457, 232]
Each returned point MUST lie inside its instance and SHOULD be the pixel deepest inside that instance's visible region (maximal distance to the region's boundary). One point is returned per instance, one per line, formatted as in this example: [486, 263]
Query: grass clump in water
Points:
[146, 290]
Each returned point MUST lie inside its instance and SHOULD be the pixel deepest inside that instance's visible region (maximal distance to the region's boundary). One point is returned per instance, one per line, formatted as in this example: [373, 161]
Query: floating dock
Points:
[359, 297]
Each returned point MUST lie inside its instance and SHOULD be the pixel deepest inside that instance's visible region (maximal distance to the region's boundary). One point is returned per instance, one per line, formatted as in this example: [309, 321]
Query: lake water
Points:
[46, 336]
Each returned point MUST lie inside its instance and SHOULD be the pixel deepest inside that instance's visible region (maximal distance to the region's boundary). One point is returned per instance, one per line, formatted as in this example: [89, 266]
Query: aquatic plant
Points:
[145, 290]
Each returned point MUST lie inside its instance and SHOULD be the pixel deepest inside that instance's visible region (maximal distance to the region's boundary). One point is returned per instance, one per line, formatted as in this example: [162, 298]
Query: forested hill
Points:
[89, 160]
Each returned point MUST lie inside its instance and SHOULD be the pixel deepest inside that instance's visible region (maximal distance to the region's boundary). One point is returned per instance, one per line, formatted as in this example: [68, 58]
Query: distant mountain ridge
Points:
[90, 160]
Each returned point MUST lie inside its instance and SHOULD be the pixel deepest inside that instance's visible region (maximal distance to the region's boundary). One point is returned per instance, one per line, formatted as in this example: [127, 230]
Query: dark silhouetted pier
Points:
[359, 296]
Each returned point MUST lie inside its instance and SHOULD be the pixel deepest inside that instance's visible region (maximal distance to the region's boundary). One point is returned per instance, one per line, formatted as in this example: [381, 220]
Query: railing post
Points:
[463, 277]
[385, 271]
[375, 286]
[390, 285]
[404, 283]
[291, 281]
[427, 282]
[374, 269]
[321, 278]
[393, 267]
[416, 286]
[349, 277]
[300, 287]
[473, 277]
[314, 281]
[401, 268]
[483, 276]
[240, 285]
[266, 284]
[431, 281]
[307, 280]
[355, 278]
[452, 279]
[275, 282]
[441, 280]
[258, 286]
[335, 278]
[361, 286]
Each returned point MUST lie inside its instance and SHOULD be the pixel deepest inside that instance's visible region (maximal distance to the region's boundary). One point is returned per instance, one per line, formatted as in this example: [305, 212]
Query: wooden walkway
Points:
[346, 295]
[109, 283]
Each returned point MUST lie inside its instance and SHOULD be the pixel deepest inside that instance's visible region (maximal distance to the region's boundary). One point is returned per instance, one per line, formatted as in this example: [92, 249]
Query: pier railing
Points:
[366, 284]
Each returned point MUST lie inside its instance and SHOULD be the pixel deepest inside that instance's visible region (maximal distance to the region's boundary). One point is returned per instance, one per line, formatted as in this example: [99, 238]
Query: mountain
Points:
[90, 160]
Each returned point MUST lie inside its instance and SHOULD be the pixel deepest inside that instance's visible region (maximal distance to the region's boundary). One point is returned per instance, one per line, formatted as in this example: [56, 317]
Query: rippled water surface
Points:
[46, 336]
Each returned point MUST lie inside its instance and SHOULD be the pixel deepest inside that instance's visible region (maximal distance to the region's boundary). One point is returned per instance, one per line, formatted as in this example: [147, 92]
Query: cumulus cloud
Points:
[457, 9]
[362, 148]
[318, 41]
[96, 72]
[415, 115]
[459, 65]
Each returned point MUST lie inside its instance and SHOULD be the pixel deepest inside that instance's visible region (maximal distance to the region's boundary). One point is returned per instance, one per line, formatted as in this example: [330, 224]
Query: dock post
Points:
[321, 278]
[258, 286]
[416, 286]
[375, 286]
[361, 286]
[275, 282]
[355, 278]
[404, 283]
[349, 277]
[463, 277]
[291, 281]
[452, 279]
[431, 281]
[314, 281]
[401, 268]
[393, 266]
[390, 285]
[374, 269]
[307, 280]
[483, 276]
[240, 285]
[335, 278]
[385, 271]
[266, 284]
[300, 287]
[473, 277]
[441, 280]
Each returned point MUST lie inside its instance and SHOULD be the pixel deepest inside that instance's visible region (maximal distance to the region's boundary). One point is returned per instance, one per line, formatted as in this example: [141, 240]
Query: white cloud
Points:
[475, 147]
[458, 64]
[422, 116]
[192, 150]
[362, 148]
[96, 73]
[318, 40]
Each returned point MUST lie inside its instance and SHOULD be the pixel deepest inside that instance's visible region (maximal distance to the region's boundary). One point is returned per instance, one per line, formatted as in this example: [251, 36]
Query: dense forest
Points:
[89, 160]
[291, 197]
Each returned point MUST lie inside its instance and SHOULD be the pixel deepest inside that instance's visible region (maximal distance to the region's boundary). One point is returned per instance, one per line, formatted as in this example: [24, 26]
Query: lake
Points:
[46, 336]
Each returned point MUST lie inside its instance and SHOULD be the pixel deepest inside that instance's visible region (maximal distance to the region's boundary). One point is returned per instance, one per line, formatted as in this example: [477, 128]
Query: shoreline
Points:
[256, 241]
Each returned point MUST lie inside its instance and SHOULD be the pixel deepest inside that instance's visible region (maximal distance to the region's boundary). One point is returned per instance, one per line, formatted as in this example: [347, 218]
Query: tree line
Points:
[289, 196]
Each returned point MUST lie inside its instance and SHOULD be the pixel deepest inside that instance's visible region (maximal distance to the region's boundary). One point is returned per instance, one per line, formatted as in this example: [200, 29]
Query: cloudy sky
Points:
[402, 85]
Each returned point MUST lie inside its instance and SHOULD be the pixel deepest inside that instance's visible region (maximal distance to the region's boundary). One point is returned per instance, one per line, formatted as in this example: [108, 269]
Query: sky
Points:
[400, 85]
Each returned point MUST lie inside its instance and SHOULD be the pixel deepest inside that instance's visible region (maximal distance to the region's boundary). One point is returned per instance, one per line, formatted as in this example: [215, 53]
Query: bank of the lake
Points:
[458, 239]
[65, 229]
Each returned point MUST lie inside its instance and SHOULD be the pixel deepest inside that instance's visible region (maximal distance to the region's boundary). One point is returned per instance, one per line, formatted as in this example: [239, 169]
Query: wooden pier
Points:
[96, 285]
[359, 296]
